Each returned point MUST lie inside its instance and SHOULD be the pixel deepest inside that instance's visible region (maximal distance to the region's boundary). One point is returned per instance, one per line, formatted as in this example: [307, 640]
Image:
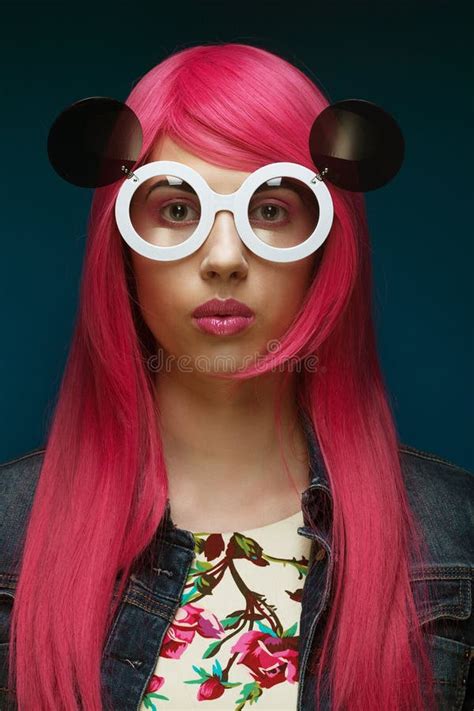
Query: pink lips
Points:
[223, 318]
[222, 307]
[223, 325]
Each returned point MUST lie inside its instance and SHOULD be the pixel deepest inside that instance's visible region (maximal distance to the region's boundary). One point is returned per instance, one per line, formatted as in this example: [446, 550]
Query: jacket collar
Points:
[317, 473]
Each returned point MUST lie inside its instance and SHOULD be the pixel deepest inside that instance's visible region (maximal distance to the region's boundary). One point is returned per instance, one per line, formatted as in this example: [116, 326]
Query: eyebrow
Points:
[166, 183]
[187, 188]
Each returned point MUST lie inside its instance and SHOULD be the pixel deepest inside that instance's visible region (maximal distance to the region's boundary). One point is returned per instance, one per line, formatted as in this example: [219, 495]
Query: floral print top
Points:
[234, 639]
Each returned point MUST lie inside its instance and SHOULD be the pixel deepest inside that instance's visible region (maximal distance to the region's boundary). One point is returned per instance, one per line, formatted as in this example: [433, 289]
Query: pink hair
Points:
[103, 484]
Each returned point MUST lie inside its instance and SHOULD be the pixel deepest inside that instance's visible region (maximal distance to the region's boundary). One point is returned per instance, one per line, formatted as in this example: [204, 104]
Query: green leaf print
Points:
[265, 629]
[212, 649]
[248, 546]
[202, 672]
[203, 565]
[198, 545]
[148, 703]
[230, 621]
[217, 669]
[251, 692]
[216, 672]
[290, 631]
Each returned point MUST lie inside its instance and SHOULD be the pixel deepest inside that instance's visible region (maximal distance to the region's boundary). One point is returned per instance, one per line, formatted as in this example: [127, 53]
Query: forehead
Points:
[222, 180]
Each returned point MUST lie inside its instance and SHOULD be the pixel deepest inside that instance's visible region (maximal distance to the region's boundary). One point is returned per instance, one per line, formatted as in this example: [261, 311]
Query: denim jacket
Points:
[441, 494]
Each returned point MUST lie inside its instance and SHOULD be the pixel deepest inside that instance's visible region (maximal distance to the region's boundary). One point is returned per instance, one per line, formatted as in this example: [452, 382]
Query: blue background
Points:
[415, 60]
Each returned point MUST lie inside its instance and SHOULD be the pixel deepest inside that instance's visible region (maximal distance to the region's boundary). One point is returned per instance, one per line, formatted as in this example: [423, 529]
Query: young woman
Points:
[223, 513]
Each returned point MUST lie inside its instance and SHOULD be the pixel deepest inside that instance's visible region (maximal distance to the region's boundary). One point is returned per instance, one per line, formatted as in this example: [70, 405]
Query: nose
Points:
[224, 252]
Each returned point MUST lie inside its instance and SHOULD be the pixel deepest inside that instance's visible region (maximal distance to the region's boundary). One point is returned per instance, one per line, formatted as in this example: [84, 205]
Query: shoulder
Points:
[427, 472]
[441, 494]
[18, 481]
[17, 475]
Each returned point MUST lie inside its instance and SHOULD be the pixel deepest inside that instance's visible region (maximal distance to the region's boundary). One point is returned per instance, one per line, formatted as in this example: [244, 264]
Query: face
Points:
[223, 267]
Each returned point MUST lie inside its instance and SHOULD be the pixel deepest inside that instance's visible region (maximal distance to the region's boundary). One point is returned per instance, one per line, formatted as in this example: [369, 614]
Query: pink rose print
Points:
[209, 626]
[155, 683]
[188, 621]
[271, 660]
[211, 689]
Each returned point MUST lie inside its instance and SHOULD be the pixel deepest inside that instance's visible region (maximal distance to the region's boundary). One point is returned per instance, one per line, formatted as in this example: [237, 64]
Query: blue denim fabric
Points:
[441, 494]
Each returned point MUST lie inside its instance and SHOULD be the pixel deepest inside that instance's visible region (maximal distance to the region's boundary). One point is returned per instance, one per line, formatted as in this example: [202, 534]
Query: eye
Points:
[179, 212]
[268, 212]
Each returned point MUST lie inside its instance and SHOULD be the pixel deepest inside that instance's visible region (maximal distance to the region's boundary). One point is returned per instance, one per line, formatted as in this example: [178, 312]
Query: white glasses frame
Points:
[212, 202]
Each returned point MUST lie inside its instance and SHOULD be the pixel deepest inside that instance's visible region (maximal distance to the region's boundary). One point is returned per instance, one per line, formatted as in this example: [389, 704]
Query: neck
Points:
[217, 435]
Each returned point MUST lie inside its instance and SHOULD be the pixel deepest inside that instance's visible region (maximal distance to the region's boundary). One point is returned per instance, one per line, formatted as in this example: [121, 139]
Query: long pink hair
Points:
[103, 485]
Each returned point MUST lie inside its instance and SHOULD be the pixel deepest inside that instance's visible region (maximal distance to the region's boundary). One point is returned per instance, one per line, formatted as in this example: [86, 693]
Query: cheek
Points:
[285, 292]
[163, 292]
[151, 286]
[300, 277]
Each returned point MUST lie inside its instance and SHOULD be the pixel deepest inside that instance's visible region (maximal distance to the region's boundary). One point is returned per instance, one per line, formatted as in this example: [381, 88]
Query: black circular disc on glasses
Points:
[360, 145]
[92, 139]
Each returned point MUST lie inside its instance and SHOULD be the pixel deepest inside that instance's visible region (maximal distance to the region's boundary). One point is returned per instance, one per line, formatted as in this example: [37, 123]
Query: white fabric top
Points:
[235, 634]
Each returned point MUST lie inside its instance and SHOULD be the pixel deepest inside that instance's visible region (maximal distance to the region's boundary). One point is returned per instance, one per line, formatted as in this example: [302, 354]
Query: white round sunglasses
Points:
[354, 144]
[212, 202]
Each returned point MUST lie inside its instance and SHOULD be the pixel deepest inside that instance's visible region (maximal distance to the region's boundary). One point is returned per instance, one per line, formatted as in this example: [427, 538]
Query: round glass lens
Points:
[283, 212]
[165, 210]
